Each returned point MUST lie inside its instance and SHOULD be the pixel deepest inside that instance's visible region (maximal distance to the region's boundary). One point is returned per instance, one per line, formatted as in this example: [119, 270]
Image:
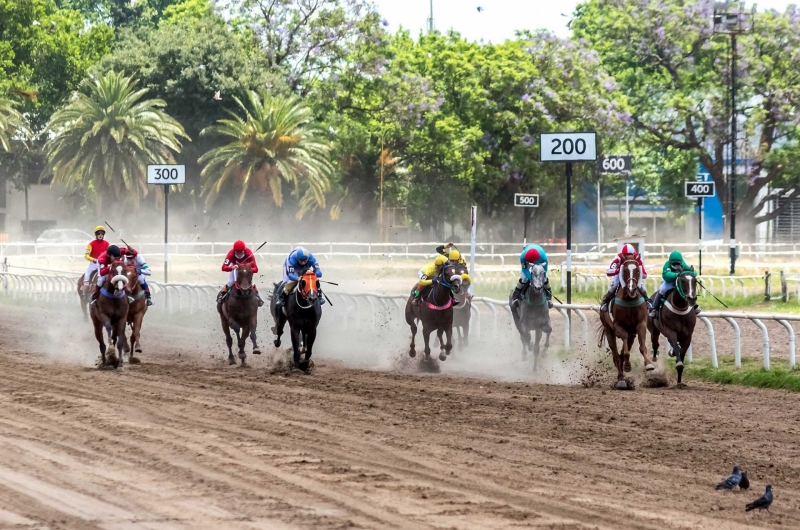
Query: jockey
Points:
[93, 251]
[674, 267]
[628, 252]
[451, 252]
[532, 255]
[427, 273]
[239, 255]
[134, 259]
[104, 262]
[295, 265]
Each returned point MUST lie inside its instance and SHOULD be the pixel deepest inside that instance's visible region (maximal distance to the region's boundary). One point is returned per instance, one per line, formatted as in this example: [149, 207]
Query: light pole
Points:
[430, 19]
[731, 19]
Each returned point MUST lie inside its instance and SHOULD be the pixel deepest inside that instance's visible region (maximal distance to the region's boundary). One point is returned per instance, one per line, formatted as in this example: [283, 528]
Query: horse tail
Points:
[600, 332]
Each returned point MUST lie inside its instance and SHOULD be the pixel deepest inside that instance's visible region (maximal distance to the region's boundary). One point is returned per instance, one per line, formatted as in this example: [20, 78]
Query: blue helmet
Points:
[301, 254]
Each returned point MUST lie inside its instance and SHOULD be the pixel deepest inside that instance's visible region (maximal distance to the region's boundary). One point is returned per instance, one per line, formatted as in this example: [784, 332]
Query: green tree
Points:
[106, 136]
[276, 141]
[12, 124]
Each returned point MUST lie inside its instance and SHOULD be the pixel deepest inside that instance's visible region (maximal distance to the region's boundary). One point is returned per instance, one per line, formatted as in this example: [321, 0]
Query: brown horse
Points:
[110, 312]
[462, 313]
[136, 310]
[626, 319]
[676, 320]
[435, 311]
[86, 296]
[239, 311]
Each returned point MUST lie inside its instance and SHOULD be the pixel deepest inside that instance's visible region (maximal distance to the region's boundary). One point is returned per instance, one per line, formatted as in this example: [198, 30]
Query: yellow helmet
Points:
[99, 228]
[440, 260]
[465, 278]
[454, 255]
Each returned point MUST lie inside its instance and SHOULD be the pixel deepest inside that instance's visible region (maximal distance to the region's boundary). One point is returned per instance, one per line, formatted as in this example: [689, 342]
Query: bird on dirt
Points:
[732, 481]
[762, 503]
[745, 482]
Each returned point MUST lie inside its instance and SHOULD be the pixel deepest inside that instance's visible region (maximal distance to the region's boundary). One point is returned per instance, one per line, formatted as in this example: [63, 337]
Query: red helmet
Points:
[627, 249]
[532, 255]
[239, 246]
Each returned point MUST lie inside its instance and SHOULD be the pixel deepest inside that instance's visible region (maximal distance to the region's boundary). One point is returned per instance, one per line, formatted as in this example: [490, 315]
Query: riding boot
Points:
[656, 307]
[548, 293]
[515, 296]
[260, 301]
[95, 294]
[696, 309]
[222, 294]
[646, 298]
[148, 299]
[606, 300]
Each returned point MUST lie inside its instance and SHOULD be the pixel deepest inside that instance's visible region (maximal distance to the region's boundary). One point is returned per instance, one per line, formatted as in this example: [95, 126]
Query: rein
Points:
[105, 293]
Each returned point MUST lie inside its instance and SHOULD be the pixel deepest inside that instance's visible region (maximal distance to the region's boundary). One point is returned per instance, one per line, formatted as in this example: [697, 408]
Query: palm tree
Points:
[12, 124]
[276, 141]
[105, 137]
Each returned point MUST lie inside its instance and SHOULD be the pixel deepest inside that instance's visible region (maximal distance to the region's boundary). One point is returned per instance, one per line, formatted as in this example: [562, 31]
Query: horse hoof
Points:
[231, 361]
[277, 343]
[627, 366]
[649, 368]
[256, 352]
[622, 385]
[443, 356]
[679, 364]
[137, 350]
[412, 353]
[134, 360]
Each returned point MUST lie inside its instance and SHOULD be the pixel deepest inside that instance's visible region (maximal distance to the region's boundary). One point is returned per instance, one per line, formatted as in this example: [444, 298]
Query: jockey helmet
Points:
[675, 257]
[454, 255]
[440, 260]
[301, 255]
[628, 250]
[113, 251]
[98, 229]
[239, 246]
[131, 252]
[532, 255]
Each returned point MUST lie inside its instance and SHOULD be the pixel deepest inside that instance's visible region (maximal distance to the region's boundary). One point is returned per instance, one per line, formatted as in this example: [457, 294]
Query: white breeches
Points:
[141, 278]
[88, 274]
[419, 274]
[100, 280]
[665, 287]
[231, 278]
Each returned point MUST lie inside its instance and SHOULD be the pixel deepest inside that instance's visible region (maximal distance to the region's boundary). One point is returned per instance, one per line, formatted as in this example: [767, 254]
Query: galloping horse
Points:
[435, 311]
[239, 311]
[303, 311]
[136, 310]
[86, 295]
[463, 312]
[676, 320]
[626, 319]
[110, 311]
[532, 314]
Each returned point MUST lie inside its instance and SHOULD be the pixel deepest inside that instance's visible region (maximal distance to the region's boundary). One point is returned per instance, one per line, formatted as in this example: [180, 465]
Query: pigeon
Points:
[36, 23]
[732, 481]
[762, 503]
[480, 9]
[745, 483]
[217, 97]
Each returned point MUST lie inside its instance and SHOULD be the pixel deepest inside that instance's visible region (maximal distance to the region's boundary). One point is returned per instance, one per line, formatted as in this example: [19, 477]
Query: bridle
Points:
[631, 285]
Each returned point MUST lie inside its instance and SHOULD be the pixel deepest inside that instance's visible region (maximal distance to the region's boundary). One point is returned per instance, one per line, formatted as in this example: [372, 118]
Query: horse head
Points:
[538, 278]
[631, 275]
[244, 278]
[133, 278]
[309, 286]
[686, 285]
[120, 279]
[449, 277]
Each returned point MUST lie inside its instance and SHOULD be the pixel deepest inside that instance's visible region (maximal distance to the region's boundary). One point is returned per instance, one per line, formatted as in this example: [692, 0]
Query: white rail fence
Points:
[489, 316]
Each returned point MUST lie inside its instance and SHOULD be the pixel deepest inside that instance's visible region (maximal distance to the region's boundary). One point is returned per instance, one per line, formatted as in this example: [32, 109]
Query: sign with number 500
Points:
[166, 174]
[568, 147]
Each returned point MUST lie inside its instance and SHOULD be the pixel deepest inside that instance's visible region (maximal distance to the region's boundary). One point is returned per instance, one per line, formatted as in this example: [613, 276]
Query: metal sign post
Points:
[472, 242]
[618, 165]
[526, 200]
[569, 148]
[166, 175]
[698, 190]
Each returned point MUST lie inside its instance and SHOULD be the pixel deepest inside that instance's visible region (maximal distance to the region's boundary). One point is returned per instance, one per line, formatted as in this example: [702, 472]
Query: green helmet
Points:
[675, 257]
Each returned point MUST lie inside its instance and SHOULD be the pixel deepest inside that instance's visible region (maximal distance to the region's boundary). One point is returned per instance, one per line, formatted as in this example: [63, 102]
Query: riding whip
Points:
[712, 294]
[557, 300]
[326, 298]
[330, 283]
[116, 234]
[259, 248]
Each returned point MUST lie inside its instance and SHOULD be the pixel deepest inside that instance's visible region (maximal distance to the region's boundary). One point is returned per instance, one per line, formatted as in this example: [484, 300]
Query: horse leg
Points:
[412, 352]
[226, 329]
[677, 351]
[524, 336]
[426, 337]
[280, 323]
[311, 337]
[295, 335]
[121, 342]
[98, 334]
[537, 336]
[611, 338]
[654, 335]
[448, 347]
[642, 336]
[111, 352]
[627, 340]
[685, 342]
[241, 338]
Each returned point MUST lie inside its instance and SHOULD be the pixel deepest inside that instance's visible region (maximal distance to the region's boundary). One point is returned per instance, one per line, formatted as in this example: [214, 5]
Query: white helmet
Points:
[627, 248]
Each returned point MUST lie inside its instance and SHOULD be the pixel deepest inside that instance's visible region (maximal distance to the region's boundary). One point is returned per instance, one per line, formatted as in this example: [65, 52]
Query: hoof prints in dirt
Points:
[281, 363]
[657, 379]
[421, 364]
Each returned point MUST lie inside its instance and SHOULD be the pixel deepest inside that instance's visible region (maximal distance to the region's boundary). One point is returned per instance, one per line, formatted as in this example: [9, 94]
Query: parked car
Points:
[62, 241]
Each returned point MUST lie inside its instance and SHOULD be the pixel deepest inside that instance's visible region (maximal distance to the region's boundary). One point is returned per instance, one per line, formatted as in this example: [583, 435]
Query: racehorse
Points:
[303, 311]
[435, 311]
[86, 295]
[110, 312]
[532, 314]
[136, 310]
[676, 320]
[239, 311]
[462, 312]
[626, 319]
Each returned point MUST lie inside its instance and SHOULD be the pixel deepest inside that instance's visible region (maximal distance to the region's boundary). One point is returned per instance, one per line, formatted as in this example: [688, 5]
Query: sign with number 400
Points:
[694, 190]
[166, 174]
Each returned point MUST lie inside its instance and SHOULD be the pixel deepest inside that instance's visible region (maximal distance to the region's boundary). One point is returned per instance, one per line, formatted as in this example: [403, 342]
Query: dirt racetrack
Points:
[184, 441]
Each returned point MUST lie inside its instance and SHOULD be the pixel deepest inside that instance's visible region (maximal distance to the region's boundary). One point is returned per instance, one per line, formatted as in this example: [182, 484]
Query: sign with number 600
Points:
[614, 164]
[694, 190]
[166, 174]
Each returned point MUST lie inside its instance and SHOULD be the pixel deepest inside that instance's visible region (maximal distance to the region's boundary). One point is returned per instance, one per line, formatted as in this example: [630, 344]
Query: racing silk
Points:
[105, 261]
[542, 260]
[429, 272]
[670, 274]
[292, 270]
[141, 265]
[95, 249]
[613, 269]
[248, 259]
[444, 251]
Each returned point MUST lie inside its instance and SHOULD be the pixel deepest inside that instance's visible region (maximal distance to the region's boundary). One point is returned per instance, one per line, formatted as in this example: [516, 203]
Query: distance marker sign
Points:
[694, 190]
[614, 164]
[166, 174]
[526, 200]
[568, 147]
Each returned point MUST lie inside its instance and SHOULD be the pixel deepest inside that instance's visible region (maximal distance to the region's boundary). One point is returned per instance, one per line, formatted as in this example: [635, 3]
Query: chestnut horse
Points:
[303, 311]
[462, 313]
[110, 312]
[676, 320]
[86, 295]
[239, 311]
[136, 310]
[626, 319]
[435, 311]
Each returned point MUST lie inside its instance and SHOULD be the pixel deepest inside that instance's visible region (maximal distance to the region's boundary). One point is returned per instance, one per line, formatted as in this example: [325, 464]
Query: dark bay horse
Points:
[435, 311]
[462, 313]
[86, 296]
[239, 311]
[136, 310]
[110, 312]
[303, 311]
[676, 320]
[626, 319]
[532, 314]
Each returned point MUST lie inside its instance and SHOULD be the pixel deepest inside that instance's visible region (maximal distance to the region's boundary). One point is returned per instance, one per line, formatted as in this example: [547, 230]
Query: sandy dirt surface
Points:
[184, 441]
